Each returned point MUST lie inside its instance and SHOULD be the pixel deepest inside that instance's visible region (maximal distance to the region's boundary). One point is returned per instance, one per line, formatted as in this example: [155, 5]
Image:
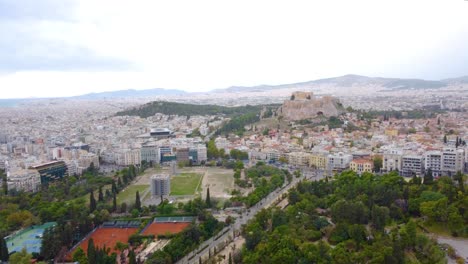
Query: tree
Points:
[131, 257]
[137, 201]
[3, 250]
[114, 203]
[445, 139]
[377, 163]
[379, 216]
[3, 178]
[100, 195]
[428, 177]
[114, 187]
[92, 202]
[22, 257]
[80, 256]
[461, 183]
[208, 199]
[230, 258]
[91, 252]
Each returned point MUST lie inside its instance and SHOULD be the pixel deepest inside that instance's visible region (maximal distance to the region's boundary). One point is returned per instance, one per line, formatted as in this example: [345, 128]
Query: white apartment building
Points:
[150, 153]
[412, 165]
[452, 161]
[87, 158]
[128, 157]
[201, 152]
[339, 161]
[391, 160]
[160, 184]
[433, 161]
[24, 180]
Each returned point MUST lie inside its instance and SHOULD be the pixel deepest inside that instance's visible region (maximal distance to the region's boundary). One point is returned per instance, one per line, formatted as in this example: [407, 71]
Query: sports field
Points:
[185, 184]
[128, 194]
[108, 237]
[164, 228]
[29, 238]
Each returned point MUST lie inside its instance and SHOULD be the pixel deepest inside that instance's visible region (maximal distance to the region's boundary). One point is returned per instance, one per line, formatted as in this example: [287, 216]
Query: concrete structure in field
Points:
[391, 160]
[361, 165]
[412, 165]
[160, 185]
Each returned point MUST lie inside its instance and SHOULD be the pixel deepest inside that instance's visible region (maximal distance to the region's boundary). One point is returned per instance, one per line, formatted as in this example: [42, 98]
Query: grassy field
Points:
[185, 184]
[128, 194]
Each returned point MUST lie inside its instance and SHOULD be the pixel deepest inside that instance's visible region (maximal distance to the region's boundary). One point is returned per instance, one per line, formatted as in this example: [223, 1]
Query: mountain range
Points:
[346, 81]
[352, 80]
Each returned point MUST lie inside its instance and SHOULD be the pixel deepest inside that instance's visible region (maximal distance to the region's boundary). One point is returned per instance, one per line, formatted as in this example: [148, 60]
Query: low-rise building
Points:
[412, 165]
[391, 160]
[299, 158]
[339, 161]
[318, 160]
[361, 165]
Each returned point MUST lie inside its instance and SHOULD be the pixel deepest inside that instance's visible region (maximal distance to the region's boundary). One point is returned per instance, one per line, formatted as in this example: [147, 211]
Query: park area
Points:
[185, 183]
[29, 238]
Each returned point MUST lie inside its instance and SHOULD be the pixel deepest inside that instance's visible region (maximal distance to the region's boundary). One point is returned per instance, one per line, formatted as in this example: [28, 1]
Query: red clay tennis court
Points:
[164, 228]
[108, 237]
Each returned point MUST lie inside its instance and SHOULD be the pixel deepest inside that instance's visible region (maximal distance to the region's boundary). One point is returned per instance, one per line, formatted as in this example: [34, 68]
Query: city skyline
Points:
[70, 48]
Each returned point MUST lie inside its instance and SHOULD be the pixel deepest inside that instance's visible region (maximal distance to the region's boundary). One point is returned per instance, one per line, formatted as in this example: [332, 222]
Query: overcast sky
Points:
[66, 47]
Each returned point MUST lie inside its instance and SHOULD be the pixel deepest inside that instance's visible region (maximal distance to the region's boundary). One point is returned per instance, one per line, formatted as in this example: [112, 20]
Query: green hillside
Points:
[171, 108]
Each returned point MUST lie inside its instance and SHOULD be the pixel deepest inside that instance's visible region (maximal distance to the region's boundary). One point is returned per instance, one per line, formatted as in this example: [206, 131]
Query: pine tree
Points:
[230, 258]
[131, 257]
[114, 203]
[3, 250]
[101, 195]
[445, 139]
[137, 201]
[119, 183]
[92, 202]
[208, 199]
[114, 188]
[91, 252]
[428, 178]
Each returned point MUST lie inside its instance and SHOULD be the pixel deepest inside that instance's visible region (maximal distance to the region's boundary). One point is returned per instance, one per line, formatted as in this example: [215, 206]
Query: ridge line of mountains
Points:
[350, 80]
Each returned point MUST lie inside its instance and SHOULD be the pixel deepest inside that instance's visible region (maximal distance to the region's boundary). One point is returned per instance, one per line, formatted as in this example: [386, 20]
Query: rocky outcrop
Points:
[304, 105]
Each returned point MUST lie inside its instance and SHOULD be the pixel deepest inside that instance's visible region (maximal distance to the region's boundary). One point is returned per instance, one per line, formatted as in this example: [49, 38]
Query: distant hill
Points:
[352, 80]
[463, 79]
[131, 93]
[171, 108]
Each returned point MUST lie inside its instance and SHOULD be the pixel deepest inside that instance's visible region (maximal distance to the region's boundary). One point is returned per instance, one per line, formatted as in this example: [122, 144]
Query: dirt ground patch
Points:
[220, 181]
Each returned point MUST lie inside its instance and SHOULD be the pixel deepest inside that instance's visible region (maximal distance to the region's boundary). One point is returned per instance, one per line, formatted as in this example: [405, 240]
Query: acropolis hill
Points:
[304, 105]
